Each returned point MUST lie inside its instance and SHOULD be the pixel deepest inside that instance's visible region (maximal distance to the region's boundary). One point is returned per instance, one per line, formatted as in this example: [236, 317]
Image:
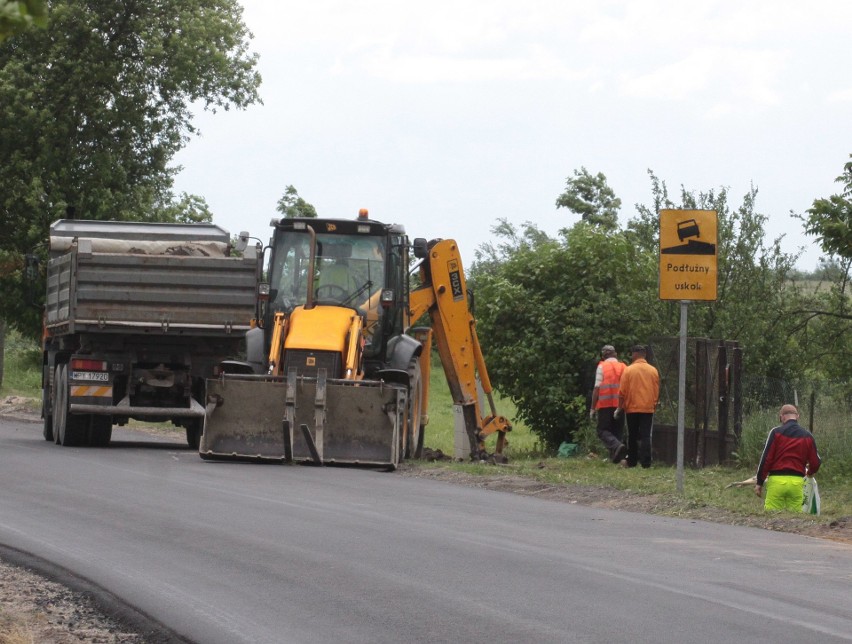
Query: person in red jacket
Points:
[605, 401]
[790, 454]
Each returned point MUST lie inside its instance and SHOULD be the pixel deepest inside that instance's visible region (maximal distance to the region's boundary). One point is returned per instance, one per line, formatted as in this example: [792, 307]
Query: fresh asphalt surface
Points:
[224, 552]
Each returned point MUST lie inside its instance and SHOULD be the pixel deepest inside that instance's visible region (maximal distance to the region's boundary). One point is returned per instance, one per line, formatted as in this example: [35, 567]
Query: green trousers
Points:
[784, 493]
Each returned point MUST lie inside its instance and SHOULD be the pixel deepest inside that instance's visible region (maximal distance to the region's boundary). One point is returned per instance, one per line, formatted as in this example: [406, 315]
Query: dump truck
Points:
[137, 316]
[336, 373]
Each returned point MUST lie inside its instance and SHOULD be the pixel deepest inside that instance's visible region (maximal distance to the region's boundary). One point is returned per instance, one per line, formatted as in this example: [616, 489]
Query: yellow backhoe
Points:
[335, 372]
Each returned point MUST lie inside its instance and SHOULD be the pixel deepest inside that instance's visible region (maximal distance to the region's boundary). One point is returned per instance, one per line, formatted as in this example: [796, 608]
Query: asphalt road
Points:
[260, 553]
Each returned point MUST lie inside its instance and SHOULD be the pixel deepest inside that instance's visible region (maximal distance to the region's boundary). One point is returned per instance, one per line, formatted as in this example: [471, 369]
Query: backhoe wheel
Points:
[414, 429]
[68, 430]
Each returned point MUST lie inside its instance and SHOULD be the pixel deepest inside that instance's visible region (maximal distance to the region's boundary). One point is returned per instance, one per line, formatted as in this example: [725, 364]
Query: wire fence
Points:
[728, 413]
[825, 408]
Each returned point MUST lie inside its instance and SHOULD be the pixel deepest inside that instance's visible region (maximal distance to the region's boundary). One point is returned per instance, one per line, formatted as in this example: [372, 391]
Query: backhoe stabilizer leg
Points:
[474, 436]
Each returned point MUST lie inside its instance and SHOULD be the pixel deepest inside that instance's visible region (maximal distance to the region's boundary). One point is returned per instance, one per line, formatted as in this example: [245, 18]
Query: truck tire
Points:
[414, 414]
[193, 432]
[59, 406]
[68, 430]
[100, 430]
[47, 416]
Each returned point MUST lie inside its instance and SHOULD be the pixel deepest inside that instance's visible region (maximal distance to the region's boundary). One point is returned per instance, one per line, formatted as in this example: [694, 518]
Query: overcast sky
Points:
[446, 116]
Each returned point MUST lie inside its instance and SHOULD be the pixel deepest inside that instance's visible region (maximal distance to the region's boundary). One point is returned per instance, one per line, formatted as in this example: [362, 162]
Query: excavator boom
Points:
[443, 295]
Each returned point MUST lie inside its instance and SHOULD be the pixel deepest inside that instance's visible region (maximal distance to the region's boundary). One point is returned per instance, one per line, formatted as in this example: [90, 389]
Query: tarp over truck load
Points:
[141, 277]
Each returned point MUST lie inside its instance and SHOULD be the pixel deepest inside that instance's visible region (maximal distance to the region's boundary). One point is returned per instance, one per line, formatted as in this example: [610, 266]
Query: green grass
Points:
[704, 489]
[439, 431]
[832, 433]
[21, 367]
[706, 493]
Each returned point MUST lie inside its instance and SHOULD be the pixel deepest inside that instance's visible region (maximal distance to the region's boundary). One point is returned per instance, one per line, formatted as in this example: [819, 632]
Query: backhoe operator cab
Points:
[360, 265]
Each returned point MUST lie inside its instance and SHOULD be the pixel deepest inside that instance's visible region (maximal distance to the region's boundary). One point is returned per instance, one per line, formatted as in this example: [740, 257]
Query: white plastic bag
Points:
[811, 496]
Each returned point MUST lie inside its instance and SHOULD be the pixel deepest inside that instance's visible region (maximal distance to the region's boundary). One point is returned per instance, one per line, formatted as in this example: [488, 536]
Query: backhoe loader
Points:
[334, 372]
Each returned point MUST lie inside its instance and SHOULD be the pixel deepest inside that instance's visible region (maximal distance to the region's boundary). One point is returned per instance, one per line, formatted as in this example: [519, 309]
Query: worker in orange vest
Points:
[605, 401]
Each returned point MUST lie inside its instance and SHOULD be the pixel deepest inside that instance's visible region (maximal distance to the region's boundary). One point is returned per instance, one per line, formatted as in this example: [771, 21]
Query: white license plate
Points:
[92, 376]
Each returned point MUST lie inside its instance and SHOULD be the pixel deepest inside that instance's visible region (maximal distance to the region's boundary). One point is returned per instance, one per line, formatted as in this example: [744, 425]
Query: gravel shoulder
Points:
[44, 604]
[35, 609]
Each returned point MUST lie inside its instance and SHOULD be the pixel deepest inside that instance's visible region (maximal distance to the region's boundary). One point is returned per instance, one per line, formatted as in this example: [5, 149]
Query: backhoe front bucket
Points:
[270, 418]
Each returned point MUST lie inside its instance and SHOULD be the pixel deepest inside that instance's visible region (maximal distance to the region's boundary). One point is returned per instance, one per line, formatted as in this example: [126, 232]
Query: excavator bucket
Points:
[301, 419]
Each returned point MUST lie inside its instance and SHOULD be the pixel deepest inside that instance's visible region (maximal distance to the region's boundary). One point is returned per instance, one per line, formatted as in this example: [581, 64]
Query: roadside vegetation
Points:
[21, 367]
[709, 493]
[547, 303]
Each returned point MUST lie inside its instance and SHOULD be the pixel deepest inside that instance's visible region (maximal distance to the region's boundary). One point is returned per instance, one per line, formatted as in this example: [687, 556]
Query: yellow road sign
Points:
[688, 252]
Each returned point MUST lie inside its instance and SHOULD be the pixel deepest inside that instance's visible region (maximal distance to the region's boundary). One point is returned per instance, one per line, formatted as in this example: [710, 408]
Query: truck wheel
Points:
[100, 431]
[60, 397]
[414, 444]
[193, 433]
[68, 430]
[47, 416]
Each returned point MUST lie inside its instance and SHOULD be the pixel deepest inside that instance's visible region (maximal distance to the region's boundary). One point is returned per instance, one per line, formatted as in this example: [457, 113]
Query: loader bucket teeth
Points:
[312, 420]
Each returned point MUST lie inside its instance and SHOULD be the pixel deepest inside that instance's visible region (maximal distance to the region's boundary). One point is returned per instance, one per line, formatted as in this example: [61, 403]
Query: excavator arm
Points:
[443, 295]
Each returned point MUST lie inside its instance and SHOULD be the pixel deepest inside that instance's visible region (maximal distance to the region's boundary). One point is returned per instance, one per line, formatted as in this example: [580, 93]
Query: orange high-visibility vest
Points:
[608, 389]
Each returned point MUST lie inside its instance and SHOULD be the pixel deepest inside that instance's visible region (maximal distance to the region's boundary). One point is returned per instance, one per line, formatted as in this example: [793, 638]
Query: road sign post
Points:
[688, 261]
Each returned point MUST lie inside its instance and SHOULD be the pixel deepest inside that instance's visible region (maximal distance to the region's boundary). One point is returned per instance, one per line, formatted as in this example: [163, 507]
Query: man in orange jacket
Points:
[638, 396]
[605, 400]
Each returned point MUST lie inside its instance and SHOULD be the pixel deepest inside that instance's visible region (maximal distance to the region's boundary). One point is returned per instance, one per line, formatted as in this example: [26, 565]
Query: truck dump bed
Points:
[109, 277]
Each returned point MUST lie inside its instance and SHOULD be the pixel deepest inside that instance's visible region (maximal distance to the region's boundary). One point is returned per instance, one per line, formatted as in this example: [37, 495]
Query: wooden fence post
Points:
[723, 407]
[737, 380]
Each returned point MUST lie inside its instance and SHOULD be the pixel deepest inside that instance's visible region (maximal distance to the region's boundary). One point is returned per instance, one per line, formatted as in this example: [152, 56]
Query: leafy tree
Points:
[189, 209]
[755, 293]
[545, 306]
[591, 198]
[17, 15]
[830, 220]
[96, 106]
[825, 322]
[291, 205]
[825, 316]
